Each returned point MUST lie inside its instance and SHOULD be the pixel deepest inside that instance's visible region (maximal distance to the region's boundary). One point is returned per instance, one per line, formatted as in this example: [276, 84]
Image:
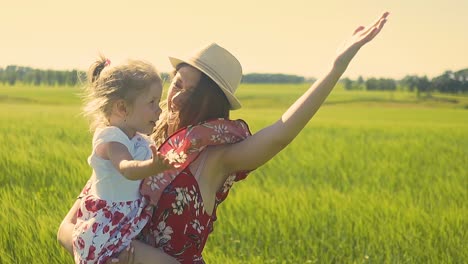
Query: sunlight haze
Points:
[293, 37]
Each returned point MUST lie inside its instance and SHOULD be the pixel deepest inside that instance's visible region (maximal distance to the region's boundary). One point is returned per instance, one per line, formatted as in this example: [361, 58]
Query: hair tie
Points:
[108, 62]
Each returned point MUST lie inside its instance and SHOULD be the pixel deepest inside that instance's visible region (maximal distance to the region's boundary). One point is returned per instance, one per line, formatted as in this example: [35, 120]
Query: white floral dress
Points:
[112, 211]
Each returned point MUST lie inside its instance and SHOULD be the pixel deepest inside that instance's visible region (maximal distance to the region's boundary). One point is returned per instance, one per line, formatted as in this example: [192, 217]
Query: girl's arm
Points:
[123, 161]
[262, 146]
[64, 234]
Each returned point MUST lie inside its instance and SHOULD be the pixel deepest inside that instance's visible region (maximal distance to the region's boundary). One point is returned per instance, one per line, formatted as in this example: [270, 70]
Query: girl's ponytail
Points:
[96, 68]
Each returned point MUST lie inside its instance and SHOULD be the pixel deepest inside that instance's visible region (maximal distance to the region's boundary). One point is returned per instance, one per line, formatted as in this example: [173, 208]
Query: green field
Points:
[375, 177]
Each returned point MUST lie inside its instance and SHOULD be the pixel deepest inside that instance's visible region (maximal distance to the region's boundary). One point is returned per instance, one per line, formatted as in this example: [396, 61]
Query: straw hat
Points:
[220, 65]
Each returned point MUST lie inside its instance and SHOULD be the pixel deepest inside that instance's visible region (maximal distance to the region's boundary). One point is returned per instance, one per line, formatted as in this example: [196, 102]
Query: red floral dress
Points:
[180, 224]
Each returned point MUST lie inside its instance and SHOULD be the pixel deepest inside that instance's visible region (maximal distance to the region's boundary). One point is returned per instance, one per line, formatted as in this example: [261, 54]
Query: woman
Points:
[212, 155]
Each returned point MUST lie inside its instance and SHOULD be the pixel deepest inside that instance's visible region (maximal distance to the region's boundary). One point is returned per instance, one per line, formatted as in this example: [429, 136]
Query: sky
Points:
[267, 36]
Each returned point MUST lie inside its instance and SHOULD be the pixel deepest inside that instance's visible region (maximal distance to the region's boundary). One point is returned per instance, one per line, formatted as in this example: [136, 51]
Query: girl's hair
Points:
[124, 81]
[207, 101]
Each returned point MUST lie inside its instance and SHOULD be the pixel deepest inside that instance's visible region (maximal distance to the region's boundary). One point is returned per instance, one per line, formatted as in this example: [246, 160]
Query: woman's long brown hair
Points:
[207, 101]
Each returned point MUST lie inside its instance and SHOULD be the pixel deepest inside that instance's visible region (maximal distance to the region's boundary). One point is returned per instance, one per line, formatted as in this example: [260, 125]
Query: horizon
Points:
[420, 38]
[306, 78]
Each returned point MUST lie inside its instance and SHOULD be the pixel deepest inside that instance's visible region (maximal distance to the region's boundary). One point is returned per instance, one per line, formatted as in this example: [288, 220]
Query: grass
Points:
[374, 178]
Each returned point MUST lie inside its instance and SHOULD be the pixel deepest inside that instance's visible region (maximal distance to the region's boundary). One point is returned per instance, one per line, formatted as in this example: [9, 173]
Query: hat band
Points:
[217, 77]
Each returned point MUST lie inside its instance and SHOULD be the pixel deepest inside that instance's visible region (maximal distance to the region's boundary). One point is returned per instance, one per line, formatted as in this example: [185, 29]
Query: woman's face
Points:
[182, 86]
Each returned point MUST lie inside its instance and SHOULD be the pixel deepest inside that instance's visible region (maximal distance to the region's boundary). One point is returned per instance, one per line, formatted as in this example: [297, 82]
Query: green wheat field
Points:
[375, 177]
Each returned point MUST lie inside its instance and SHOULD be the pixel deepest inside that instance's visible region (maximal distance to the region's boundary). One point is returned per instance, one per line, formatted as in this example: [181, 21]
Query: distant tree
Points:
[37, 77]
[73, 78]
[10, 72]
[424, 85]
[29, 76]
[372, 84]
[387, 84]
[448, 83]
[420, 84]
[462, 77]
[61, 77]
[271, 78]
[2, 78]
[50, 77]
[347, 83]
[409, 81]
[360, 82]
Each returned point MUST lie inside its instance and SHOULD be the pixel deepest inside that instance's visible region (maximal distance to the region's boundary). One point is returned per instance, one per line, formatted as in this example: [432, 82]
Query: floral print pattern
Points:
[180, 224]
[185, 145]
[104, 228]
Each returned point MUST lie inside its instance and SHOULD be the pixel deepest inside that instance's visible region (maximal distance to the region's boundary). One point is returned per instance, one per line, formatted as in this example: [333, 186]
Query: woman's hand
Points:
[360, 37]
[64, 234]
[139, 252]
[125, 257]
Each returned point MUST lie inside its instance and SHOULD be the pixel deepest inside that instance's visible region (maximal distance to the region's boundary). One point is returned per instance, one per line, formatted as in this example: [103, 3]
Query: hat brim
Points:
[233, 101]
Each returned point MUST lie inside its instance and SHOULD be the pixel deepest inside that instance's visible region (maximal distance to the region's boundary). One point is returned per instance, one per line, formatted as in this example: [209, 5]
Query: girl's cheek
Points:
[158, 111]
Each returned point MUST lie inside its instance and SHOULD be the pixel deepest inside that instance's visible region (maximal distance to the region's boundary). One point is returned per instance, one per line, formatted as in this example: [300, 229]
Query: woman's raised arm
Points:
[263, 145]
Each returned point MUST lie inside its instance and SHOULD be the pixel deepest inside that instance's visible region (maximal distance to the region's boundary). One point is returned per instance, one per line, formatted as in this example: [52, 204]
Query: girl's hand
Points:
[161, 162]
[360, 37]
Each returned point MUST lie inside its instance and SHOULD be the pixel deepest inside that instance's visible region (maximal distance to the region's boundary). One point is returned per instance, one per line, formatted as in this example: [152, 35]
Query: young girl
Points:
[122, 101]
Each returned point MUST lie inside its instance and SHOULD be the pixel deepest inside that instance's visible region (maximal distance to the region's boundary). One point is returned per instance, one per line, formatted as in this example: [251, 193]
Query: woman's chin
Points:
[172, 116]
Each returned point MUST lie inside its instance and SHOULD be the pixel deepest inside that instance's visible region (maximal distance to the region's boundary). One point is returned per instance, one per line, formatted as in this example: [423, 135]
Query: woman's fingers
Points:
[125, 257]
[153, 149]
[378, 28]
[371, 32]
[131, 259]
[377, 23]
[169, 164]
[379, 20]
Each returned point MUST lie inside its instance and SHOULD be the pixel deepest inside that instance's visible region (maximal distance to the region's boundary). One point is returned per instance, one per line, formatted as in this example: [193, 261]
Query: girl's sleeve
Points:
[111, 134]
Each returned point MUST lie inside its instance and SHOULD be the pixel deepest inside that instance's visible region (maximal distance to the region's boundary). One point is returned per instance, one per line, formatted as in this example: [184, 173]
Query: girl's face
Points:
[145, 111]
[182, 86]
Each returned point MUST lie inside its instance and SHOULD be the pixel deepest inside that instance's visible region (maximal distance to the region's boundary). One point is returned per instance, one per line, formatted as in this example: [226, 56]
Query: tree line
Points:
[448, 82]
[13, 74]
[272, 78]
